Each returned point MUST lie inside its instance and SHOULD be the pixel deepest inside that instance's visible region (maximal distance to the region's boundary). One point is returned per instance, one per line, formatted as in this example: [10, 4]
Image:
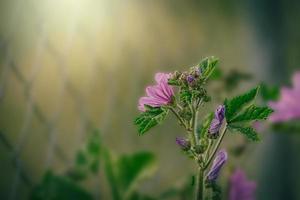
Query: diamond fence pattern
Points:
[34, 110]
[123, 53]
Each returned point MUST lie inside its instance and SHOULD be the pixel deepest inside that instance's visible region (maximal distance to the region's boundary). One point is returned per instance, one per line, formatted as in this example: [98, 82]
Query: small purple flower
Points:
[287, 108]
[219, 161]
[157, 95]
[216, 123]
[183, 143]
[190, 79]
[240, 187]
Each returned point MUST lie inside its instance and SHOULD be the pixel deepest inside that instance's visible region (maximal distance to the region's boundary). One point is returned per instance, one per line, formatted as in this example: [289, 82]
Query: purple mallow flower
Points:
[217, 121]
[183, 143]
[219, 161]
[240, 187]
[287, 108]
[157, 95]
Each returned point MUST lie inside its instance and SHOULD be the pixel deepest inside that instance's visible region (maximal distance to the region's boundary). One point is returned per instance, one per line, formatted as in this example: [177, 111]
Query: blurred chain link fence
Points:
[34, 110]
[50, 98]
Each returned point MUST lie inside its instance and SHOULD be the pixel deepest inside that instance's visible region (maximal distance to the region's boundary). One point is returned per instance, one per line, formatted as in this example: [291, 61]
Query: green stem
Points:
[200, 185]
[208, 149]
[192, 138]
[195, 126]
[216, 147]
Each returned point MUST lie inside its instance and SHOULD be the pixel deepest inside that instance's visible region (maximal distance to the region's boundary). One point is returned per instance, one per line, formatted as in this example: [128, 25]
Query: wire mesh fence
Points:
[59, 80]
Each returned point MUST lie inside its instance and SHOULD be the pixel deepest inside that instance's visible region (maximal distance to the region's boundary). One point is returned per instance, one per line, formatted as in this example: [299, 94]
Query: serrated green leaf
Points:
[249, 132]
[235, 105]
[207, 66]
[150, 118]
[253, 112]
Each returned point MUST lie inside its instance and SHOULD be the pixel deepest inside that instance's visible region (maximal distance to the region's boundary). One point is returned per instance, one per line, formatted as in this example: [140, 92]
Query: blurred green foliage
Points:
[123, 173]
[55, 187]
[269, 93]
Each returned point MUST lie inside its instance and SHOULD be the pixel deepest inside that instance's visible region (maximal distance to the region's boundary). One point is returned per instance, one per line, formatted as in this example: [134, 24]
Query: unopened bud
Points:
[183, 143]
[216, 123]
[219, 161]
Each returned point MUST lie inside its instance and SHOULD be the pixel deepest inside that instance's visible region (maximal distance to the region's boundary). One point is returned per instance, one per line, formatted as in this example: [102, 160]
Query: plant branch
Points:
[195, 125]
[200, 188]
[216, 147]
[208, 149]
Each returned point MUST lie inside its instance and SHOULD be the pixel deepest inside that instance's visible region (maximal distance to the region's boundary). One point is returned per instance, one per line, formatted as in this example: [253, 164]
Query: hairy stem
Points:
[195, 125]
[216, 147]
[200, 178]
[208, 150]
[200, 185]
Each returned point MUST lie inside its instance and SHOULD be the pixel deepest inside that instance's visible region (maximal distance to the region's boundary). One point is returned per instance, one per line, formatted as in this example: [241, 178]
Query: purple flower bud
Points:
[183, 143]
[190, 79]
[216, 123]
[219, 161]
[196, 71]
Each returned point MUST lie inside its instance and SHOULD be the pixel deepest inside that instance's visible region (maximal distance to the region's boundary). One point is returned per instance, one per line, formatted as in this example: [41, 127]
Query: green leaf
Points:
[111, 175]
[249, 132]
[217, 74]
[207, 66]
[55, 187]
[185, 95]
[269, 93]
[235, 105]
[124, 173]
[253, 112]
[132, 168]
[150, 118]
[174, 82]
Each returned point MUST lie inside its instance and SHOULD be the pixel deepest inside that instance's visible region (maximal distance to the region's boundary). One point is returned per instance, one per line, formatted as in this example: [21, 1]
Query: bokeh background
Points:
[67, 66]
